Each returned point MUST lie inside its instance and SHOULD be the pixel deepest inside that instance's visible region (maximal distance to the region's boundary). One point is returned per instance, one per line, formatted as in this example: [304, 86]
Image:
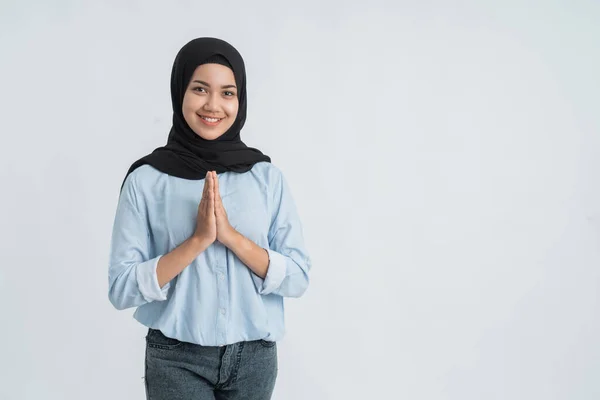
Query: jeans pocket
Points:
[266, 343]
[155, 339]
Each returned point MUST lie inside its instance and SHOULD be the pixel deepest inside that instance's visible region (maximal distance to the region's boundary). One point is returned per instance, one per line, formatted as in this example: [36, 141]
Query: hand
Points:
[206, 224]
[225, 232]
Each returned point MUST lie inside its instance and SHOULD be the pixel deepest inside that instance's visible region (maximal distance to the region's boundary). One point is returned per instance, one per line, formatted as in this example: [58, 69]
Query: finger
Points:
[219, 203]
[204, 199]
[211, 194]
[205, 190]
[217, 191]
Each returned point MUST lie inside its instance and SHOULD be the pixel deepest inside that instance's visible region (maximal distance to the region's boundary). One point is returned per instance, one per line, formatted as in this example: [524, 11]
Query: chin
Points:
[208, 135]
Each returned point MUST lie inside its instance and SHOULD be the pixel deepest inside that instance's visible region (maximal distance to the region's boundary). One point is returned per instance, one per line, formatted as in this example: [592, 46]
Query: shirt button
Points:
[223, 311]
[221, 276]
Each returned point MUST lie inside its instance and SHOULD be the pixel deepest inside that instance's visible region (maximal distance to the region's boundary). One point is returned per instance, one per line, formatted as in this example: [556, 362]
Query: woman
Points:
[207, 241]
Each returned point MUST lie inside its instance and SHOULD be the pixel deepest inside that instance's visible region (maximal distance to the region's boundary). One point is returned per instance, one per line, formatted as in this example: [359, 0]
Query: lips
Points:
[210, 121]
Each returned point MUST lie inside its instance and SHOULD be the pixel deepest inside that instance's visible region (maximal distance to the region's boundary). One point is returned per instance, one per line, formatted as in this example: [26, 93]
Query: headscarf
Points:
[187, 155]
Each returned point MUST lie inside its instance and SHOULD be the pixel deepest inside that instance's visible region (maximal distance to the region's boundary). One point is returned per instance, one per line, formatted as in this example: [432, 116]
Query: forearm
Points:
[253, 256]
[171, 264]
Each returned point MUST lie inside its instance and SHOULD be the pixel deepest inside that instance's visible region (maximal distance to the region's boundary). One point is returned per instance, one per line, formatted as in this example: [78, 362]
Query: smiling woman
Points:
[210, 103]
[207, 242]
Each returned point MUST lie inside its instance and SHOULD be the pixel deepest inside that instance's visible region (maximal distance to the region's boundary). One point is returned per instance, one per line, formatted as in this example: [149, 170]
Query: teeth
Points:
[210, 119]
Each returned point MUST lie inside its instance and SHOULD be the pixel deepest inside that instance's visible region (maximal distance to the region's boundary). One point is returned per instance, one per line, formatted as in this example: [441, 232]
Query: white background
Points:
[444, 156]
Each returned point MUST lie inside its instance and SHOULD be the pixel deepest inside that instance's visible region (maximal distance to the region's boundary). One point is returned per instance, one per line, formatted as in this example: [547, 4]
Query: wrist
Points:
[199, 243]
[232, 239]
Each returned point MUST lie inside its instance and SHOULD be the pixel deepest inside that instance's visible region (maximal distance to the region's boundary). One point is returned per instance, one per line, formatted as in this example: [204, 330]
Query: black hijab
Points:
[187, 155]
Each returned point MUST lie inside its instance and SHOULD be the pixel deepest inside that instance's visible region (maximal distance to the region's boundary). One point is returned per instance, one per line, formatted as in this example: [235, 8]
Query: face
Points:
[210, 102]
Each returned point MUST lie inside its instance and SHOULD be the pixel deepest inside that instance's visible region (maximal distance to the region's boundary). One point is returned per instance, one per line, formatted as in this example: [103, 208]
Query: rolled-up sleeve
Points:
[147, 281]
[289, 262]
[132, 275]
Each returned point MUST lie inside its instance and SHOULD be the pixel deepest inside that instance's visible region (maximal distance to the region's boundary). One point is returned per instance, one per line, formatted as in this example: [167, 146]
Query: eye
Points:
[199, 89]
[229, 93]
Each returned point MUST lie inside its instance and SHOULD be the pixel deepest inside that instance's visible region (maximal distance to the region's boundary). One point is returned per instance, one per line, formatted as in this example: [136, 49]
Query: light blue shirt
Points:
[216, 300]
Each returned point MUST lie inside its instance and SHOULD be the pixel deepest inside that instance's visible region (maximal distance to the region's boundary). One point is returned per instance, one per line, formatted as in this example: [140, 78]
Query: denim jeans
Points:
[178, 370]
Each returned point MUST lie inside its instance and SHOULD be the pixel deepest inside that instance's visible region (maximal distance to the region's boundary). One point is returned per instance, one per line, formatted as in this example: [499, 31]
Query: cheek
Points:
[232, 109]
[188, 105]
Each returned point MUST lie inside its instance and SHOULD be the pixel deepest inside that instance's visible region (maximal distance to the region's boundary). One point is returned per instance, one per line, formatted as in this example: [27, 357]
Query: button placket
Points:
[222, 291]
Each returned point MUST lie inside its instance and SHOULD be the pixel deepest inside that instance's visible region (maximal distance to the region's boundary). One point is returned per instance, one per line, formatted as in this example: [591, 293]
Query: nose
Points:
[211, 104]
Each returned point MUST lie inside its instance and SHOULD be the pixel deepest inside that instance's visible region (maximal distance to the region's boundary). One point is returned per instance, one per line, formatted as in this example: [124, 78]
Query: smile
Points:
[210, 121]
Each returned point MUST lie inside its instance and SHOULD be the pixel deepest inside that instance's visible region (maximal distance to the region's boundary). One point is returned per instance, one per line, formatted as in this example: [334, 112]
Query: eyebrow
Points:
[207, 85]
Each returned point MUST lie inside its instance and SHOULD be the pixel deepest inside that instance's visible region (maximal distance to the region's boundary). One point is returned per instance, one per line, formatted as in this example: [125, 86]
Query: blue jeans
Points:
[178, 370]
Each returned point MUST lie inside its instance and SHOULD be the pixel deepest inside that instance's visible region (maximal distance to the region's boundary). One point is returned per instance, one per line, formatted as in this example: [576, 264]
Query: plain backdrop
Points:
[444, 157]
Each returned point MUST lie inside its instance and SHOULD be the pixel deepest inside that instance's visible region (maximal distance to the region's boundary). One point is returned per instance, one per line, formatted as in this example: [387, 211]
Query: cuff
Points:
[148, 281]
[275, 273]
